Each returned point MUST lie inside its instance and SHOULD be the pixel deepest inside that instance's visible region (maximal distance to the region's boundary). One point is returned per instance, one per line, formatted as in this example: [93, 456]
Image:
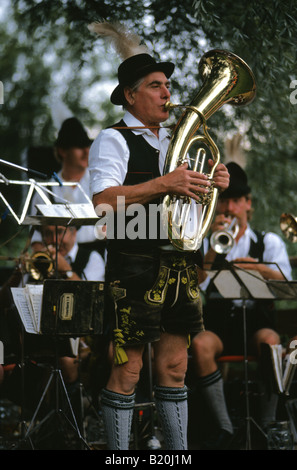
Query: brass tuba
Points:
[288, 225]
[226, 79]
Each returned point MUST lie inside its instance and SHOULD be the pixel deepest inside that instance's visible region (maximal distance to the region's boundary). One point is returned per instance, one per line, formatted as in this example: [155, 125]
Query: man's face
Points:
[75, 157]
[65, 237]
[235, 207]
[147, 103]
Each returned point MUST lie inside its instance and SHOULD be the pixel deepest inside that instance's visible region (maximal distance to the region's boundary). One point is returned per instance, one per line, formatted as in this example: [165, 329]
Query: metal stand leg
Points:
[152, 442]
[248, 418]
[57, 413]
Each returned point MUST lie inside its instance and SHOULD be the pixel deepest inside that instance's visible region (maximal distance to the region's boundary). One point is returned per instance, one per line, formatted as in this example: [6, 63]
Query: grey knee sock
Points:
[117, 411]
[172, 408]
[212, 388]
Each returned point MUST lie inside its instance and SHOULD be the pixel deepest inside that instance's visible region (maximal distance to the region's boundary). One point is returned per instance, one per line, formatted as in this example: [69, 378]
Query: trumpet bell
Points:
[40, 265]
[221, 242]
[288, 225]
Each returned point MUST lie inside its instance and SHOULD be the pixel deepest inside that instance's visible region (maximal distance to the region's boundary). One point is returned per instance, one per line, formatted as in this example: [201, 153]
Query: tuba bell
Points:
[288, 225]
[226, 79]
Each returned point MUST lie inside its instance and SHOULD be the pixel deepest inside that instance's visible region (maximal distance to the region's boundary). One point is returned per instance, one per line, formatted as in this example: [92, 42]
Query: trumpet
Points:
[40, 265]
[222, 241]
[288, 225]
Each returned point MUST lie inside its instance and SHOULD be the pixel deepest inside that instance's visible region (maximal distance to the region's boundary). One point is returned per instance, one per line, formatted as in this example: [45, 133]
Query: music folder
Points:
[61, 307]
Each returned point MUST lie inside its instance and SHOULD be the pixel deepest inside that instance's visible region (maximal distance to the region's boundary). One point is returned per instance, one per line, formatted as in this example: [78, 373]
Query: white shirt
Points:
[275, 252]
[109, 154]
[95, 267]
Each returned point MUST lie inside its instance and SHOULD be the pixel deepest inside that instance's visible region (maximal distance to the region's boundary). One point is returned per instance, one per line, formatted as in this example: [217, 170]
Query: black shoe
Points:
[220, 441]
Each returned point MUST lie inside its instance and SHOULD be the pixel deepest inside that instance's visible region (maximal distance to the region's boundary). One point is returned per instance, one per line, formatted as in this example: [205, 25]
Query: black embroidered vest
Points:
[143, 166]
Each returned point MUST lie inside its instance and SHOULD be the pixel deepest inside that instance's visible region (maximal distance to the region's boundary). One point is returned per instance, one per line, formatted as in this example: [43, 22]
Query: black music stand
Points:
[152, 442]
[62, 215]
[235, 283]
[63, 316]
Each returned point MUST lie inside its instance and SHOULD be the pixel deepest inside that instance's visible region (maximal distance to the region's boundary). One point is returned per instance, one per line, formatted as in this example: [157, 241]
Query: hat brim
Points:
[118, 98]
[235, 192]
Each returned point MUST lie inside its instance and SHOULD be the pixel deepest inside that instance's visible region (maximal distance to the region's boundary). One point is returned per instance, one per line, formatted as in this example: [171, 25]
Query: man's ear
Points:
[129, 95]
[61, 152]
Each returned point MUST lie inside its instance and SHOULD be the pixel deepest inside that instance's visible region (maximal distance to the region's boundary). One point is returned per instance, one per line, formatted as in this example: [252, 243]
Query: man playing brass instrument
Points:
[128, 163]
[252, 250]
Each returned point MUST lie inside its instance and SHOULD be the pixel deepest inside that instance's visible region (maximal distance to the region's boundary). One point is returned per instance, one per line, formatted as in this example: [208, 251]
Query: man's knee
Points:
[171, 369]
[206, 344]
[124, 377]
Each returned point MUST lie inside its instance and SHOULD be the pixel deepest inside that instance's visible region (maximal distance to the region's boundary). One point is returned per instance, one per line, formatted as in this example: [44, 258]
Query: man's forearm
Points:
[137, 194]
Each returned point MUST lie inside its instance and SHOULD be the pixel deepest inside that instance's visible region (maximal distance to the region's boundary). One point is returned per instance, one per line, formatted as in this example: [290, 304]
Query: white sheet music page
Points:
[21, 303]
[255, 284]
[226, 284]
[35, 292]
[79, 211]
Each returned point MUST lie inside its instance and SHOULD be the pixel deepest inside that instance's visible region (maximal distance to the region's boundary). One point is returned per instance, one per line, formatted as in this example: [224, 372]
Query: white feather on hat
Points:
[125, 42]
[234, 151]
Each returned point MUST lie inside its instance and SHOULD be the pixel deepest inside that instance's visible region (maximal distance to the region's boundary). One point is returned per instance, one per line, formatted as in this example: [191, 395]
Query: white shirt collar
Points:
[132, 121]
[250, 234]
[72, 253]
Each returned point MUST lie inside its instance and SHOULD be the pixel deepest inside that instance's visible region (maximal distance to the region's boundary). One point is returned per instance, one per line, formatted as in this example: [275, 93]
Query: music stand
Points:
[62, 316]
[153, 442]
[62, 215]
[235, 283]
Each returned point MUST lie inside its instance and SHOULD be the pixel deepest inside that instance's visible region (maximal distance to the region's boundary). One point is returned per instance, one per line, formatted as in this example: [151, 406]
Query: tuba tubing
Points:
[226, 79]
[288, 225]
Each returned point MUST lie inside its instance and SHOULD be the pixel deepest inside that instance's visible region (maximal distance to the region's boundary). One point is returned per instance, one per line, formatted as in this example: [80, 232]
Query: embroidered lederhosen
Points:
[161, 288]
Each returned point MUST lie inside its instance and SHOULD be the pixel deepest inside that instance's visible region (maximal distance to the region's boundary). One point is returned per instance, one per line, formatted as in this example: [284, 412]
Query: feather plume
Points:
[125, 43]
[234, 151]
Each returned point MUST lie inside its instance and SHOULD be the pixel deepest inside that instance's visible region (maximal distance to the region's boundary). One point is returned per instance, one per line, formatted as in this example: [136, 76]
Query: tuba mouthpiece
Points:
[169, 105]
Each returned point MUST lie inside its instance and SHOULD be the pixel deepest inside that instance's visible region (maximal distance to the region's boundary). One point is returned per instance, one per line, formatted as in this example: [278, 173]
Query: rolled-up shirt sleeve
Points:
[108, 161]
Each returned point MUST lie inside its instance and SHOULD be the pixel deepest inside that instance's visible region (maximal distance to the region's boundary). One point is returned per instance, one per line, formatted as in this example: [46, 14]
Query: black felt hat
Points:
[238, 182]
[136, 67]
[72, 134]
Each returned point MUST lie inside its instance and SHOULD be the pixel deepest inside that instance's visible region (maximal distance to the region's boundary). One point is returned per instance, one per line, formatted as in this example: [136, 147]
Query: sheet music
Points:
[230, 288]
[21, 304]
[34, 293]
[289, 372]
[79, 211]
[255, 284]
[226, 284]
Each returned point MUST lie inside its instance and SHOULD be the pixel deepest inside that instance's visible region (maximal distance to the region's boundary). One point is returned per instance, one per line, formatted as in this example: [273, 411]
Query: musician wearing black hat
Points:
[252, 250]
[127, 161]
[71, 149]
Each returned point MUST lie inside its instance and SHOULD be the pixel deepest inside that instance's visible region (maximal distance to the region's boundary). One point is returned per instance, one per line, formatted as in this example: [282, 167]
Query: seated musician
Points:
[223, 317]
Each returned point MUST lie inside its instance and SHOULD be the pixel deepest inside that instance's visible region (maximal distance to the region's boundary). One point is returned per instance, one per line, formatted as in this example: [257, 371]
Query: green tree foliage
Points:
[262, 33]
